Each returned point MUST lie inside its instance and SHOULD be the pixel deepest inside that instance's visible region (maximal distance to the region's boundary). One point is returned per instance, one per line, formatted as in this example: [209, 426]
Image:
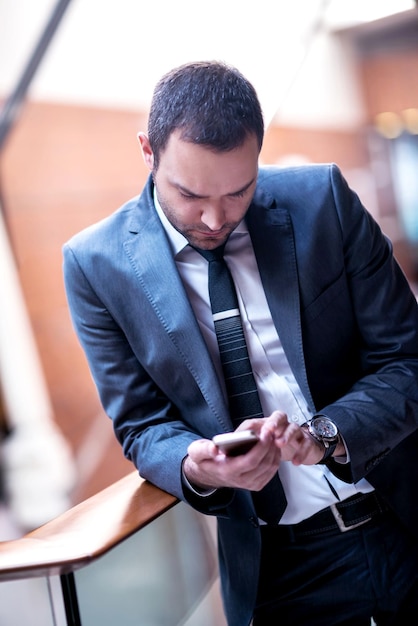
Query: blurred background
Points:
[337, 80]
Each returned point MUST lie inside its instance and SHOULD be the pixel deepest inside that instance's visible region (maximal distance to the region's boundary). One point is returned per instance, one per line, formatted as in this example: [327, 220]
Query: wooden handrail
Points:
[85, 532]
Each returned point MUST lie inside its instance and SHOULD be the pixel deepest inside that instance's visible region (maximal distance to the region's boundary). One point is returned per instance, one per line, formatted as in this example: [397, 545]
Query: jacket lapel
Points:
[161, 284]
[271, 232]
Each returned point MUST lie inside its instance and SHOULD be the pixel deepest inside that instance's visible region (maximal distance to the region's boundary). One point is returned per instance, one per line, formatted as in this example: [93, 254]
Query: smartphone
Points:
[233, 444]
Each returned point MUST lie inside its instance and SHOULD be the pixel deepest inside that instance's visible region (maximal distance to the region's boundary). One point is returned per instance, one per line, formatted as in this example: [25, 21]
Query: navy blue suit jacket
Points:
[345, 315]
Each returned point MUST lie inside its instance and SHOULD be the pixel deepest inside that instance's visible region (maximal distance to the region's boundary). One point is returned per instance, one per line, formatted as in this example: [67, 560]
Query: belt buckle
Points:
[340, 522]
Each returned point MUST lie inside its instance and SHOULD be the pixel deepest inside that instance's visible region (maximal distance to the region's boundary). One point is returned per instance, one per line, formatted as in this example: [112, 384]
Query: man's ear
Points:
[147, 153]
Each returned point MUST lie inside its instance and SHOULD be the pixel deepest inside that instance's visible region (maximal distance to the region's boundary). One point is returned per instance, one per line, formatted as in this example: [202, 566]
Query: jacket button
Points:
[254, 521]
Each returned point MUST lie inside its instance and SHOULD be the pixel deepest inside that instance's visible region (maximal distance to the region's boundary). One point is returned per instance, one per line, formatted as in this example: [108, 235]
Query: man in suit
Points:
[332, 332]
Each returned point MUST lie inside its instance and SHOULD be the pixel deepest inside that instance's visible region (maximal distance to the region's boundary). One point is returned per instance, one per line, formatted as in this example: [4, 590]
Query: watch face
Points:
[324, 427]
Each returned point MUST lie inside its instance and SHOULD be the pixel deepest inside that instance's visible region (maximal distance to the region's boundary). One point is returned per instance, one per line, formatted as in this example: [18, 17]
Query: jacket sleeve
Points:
[143, 417]
[374, 342]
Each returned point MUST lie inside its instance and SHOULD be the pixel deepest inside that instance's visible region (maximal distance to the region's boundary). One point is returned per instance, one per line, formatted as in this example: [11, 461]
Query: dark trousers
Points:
[339, 579]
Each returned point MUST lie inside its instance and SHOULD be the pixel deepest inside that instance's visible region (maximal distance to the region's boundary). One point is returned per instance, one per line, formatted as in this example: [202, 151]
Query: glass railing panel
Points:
[164, 575]
[26, 603]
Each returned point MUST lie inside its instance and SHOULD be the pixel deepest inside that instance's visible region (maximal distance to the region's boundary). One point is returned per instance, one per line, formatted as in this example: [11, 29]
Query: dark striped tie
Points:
[241, 387]
[243, 398]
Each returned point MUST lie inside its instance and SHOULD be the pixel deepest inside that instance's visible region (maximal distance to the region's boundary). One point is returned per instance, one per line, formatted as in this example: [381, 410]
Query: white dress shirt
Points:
[308, 488]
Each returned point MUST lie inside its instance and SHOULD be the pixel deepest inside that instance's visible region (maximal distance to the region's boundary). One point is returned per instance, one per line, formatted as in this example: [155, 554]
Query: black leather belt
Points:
[343, 516]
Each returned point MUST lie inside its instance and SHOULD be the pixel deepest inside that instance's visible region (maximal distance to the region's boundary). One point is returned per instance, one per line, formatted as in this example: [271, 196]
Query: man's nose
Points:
[213, 216]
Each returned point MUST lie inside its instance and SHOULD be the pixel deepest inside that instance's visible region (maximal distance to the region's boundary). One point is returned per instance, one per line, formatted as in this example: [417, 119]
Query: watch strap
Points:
[329, 451]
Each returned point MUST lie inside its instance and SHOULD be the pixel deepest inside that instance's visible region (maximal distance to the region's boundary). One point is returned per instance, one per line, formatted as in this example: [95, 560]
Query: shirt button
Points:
[294, 418]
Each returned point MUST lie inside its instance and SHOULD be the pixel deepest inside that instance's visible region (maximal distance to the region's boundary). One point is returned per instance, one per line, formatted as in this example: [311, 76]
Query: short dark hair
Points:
[210, 102]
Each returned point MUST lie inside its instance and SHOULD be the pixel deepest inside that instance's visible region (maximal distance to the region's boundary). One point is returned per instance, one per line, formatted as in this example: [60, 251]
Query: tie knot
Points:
[212, 255]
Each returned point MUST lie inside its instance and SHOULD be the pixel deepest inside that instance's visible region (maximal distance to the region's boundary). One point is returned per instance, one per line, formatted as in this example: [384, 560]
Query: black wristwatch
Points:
[323, 429]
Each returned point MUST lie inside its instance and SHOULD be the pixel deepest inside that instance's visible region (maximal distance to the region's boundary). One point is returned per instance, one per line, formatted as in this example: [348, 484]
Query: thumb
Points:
[201, 450]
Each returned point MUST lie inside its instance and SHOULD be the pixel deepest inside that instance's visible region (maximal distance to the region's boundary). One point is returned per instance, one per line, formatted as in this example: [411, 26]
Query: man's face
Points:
[204, 194]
